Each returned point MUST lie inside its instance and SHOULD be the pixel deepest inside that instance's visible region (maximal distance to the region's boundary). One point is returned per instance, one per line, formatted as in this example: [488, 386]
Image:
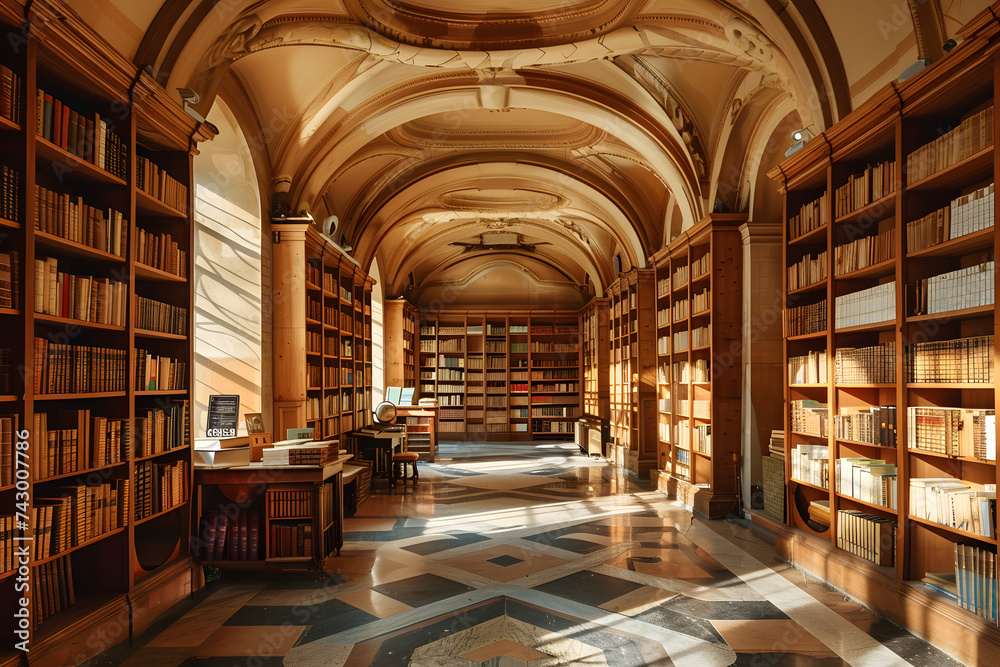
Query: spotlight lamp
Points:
[799, 137]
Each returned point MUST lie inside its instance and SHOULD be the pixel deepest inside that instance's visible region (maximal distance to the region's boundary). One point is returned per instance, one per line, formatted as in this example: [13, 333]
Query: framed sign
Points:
[223, 411]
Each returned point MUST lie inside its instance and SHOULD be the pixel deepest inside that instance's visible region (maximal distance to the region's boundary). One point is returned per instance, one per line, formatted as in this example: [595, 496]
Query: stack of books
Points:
[300, 452]
[777, 444]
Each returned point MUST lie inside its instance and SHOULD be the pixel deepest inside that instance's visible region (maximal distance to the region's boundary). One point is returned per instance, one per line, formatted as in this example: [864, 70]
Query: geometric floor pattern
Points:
[532, 554]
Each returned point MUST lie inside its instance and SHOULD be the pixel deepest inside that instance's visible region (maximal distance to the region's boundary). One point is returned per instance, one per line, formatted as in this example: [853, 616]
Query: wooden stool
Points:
[399, 462]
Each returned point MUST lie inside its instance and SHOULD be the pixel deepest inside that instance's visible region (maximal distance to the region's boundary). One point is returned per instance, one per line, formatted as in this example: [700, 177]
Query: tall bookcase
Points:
[632, 336]
[95, 255]
[890, 313]
[322, 334]
[400, 343]
[699, 279]
[502, 375]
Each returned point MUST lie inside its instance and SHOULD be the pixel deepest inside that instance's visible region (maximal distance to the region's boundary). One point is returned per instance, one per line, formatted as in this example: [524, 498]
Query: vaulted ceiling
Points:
[484, 148]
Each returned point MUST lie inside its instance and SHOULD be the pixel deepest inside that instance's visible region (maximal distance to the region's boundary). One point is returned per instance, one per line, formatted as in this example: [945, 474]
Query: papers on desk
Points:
[301, 452]
[209, 453]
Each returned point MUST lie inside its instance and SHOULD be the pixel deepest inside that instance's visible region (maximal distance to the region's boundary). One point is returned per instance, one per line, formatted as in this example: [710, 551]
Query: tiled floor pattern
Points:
[532, 555]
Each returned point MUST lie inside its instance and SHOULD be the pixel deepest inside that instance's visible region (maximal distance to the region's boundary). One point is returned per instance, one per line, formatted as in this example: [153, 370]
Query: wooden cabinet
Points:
[322, 334]
[502, 375]
[633, 371]
[699, 298]
[96, 243]
[889, 343]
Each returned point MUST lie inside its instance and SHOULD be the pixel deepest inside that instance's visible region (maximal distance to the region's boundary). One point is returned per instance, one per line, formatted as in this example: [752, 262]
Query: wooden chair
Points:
[400, 461]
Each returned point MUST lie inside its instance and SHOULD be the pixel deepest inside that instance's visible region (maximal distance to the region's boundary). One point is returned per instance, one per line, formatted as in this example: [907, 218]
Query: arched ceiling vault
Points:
[573, 131]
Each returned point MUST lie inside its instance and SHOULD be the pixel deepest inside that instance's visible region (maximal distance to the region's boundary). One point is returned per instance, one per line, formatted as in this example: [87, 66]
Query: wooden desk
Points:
[381, 446]
[297, 513]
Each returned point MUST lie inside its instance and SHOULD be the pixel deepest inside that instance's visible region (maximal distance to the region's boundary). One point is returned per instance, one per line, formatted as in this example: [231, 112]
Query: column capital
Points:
[760, 232]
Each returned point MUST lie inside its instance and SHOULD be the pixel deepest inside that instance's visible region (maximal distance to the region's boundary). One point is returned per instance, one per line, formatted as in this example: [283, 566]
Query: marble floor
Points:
[531, 554]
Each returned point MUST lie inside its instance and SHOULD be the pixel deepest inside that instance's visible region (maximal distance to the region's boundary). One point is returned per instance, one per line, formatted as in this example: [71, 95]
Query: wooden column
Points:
[289, 237]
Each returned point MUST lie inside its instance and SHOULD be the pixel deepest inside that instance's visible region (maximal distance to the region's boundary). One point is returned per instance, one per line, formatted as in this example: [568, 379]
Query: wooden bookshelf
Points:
[632, 327]
[141, 550]
[400, 343]
[898, 125]
[421, 430]
[322, 339]
[699, 279]
[502, 375]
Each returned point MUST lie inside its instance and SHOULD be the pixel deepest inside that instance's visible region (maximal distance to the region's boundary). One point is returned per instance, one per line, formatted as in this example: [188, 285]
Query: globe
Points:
[385, 413]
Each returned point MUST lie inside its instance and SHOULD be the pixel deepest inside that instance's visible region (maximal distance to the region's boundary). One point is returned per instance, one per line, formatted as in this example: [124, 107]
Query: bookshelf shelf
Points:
[157, 515]
[76, 167]
[9, 311]
[7, 125]
[813, 236]
[884, 207]
[964, 313]
[980, 240]
[809, 336]
[949, 530]
[83, 545]
[148, 204]
[809, 385]
[76, 473]
[10, 224]
[809, 485]
[876, 326]
[152, 273]
[93, 395]
[147, 333]
[874, 271]
[9, 398]
[65, 246]
[973, 168]
[162, 454]
[163, 392]
[84, 324]
[818, 286]
[906, 125]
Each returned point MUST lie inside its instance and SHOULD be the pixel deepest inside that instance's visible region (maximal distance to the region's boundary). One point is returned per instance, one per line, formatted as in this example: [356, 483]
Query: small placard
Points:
[223, 411]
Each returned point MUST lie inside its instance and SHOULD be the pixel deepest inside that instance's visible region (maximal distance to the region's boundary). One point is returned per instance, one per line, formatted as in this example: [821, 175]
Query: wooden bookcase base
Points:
[150, 598]
[702, 499]
[940, 621]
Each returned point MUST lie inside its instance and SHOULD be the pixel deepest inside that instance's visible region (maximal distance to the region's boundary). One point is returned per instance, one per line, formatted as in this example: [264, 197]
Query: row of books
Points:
[162, 429]
[970, 287]
[807, 271]
[10, 272]
[290, 540]
[952, 502]
[161, 252]
[976, 580]
[555, 347]
[701, 438]
[866, 365]
[79, 513]
[809, 417]
[85, 135]
[964, 432]
[698, 370]
[11, 95]
[86, 298]
[974, 134]
[538, 426]
[52, 589]
[289, 504]
[232, 534]
[871, 424]
[157, 183]
[964, 215]
[77, 441]
[70, 218]
[153, 315]
[700, 301]
[159, 373]
[871, 480]
[811, 215]
[776, 444]
[869, 536]
[567, 374]
[10, 195]
[810, 463]
[160, 486]
[808, 319]
[552, 411]
[8, 440]
[864, 252]
[809, 368]
[963, 360]
[867, 306]
[875, 182]
[60, 368]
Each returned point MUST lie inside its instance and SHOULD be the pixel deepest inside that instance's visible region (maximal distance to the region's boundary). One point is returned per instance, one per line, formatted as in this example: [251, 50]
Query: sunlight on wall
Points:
[227, 273]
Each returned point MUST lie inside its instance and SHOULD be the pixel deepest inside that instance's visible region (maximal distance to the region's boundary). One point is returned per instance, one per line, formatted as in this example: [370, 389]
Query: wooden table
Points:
[306, 502]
